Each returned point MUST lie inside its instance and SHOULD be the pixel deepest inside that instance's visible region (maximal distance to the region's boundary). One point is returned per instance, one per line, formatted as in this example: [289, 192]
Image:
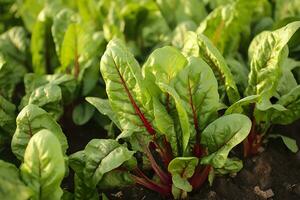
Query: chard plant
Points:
[271, 95]
[168, 113]
[41, 172]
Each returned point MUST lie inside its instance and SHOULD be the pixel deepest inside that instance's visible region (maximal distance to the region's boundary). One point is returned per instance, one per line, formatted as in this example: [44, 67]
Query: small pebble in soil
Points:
[296, 189]
[212, 195]
[262, 170]
[263, 194]
[118, 194]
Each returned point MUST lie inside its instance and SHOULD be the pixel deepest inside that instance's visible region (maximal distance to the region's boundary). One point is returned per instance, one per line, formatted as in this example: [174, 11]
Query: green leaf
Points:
[222, 135]
[164, 64]
[49, 98]
[124, 88]
[290, 101]
[67, 195]
[184, 138]
[239, 72]
[77, 163]
[287, 81]
[286, 9]
[10, 183]
[72, 48]
[89, 76]
[10, 75]
[14, 45]
[60, 25]
[290, 143]
[7, 117]
[82, 113]
[238, 107]
[161, 67]
[44, 58]
[31, 120]
[82, 191]
[102, 156]
[103, 106]
[13, 60]
[116, 179]
[197, 88]
[35, 84]
[44, 166]
[176, 11]
[29, 11]
[225, 24]
[201, 46]
[267, 51]
[81, 48]
[181, 169]
[232, 165]
[181, 32]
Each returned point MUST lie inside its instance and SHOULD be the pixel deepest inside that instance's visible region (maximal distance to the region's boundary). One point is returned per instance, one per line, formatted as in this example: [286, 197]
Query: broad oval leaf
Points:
[176, 11]
[181, 169]
[44, 167]
[222, 135]
[237, 107]
[31, 120]
[291, 101]
[60, 24]
[232, 165]
[102, 156]
[225, 24]
[163, 65]
[10, 182]
[201, 46]
[267, 52]
[82, 191]
[82, 113]
[7, 117]
[103, 106]
[44, 59]
[197, 87]
[124, 88]
[48, 97]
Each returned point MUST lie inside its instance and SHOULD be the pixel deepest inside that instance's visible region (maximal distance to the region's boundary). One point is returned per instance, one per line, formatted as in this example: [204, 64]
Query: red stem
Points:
[252, 142]
[165, 177]
[166, 152]
[146, 123]
[199, 176]
[197, 150]
[146, 182]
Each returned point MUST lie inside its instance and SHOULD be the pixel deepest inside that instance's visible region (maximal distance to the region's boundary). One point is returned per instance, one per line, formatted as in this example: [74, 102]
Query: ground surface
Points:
[276, 170]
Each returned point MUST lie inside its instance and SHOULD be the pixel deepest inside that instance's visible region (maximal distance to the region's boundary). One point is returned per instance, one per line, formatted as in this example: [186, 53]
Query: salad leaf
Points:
[102, 156]
[267, 51]
[44, 166]
[182, 168]
[222, 135]
[201, 46]
[30, 121]
[10, 181]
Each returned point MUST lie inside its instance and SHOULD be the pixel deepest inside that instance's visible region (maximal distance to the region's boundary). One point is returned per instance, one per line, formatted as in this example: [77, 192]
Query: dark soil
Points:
[273, 174]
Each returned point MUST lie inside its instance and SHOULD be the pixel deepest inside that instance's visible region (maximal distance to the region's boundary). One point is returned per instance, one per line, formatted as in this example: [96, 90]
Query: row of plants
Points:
[186, 90]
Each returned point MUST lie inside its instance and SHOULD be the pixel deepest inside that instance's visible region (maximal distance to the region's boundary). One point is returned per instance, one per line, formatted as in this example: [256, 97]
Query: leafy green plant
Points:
[167, 111]
[270, 77]
[41, 172]
[170, 124]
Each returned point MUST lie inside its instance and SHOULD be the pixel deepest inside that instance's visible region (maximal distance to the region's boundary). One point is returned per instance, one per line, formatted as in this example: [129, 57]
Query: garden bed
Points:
[276, 169]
